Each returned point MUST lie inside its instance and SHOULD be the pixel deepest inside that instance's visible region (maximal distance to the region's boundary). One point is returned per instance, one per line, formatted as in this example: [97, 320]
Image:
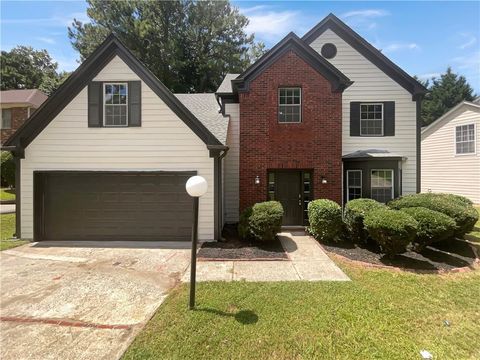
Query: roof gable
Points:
[80, 78]
[368, 51]
[448, 116]
[292, 43]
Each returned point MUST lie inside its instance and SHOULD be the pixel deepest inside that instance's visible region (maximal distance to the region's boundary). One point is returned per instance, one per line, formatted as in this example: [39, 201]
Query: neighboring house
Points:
[451, 152]
[17, 106]
[107, 156]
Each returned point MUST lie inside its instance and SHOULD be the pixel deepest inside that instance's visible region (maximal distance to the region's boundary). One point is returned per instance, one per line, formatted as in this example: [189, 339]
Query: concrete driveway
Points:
[82, 300]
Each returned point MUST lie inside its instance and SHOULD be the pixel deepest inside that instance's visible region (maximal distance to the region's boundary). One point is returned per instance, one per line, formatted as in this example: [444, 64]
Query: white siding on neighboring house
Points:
[372, 84]
[232, 161]
[163, 142]
[442, 169]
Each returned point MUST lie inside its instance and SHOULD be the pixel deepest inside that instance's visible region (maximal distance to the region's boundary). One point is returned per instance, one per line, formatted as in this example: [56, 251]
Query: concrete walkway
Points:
[307, 262]
[7, 208]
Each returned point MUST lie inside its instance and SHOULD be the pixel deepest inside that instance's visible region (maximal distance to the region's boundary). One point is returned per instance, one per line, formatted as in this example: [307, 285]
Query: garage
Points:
[85, 205]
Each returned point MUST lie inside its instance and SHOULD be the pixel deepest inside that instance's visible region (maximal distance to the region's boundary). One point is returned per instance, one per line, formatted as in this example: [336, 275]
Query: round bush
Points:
[261, 222]
[354, 214]
[392, 230]
[465, 215]
[7, 169]
[325, 218]
[433, 226]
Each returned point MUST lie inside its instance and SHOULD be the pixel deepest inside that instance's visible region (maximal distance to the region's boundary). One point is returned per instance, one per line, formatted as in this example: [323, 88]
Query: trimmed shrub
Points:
[7, 169]
[261, 222]
[354, 214]
[433, 226]
[392, 230]
[325, 218]
[465, 215]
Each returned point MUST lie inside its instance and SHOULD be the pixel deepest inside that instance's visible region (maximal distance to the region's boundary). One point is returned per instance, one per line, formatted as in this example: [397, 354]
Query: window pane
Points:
[6, 119]
[381, 182]
[465, 139]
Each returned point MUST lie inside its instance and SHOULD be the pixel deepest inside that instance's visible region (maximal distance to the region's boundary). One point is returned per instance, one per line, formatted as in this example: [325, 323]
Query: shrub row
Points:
[419, 219]
[457, 207]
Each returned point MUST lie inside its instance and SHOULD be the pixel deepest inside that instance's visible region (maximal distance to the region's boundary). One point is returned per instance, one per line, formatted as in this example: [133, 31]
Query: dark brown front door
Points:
[289, 194]
[112, 206]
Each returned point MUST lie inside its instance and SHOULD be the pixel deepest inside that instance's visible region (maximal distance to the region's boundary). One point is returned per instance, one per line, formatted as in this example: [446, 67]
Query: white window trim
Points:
[474, 140]
[383, 119]
[356, 187]
[104, 105]
[11, 120]
[393, 181]
[300, 112]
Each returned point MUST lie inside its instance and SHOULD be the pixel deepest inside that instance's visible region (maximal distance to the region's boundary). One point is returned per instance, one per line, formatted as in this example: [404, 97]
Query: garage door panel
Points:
[115, 206]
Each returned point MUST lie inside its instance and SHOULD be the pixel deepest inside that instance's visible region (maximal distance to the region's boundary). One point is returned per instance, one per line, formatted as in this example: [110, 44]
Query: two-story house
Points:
[322, 116]
[17, 106]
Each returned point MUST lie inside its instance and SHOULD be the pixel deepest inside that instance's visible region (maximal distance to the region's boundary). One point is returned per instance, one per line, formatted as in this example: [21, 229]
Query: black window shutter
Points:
[134, 103]
[95, 104]
[355, 118]
[389, 118]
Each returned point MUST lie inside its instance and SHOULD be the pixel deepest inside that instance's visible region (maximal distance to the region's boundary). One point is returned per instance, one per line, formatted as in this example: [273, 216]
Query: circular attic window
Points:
[329, 51]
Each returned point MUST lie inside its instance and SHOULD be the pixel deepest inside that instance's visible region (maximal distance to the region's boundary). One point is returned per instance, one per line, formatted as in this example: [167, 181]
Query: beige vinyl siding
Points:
[370, 85]
[163, 142]
[232, 164]
[442, 169]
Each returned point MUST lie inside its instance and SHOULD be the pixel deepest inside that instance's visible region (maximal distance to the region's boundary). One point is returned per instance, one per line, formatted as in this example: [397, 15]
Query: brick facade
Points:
[314, 144]
[19, 115]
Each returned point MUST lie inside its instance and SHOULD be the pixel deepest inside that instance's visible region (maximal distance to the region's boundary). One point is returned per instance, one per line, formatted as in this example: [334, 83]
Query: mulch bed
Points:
[234, 248]
[443, 256]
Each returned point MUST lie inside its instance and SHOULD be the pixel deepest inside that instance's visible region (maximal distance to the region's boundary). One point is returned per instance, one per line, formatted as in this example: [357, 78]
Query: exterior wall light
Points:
[257, 180]
[196, 186]
[324, 181]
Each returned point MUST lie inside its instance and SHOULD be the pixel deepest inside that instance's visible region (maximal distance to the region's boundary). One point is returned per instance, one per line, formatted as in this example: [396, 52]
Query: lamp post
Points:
[196, 186]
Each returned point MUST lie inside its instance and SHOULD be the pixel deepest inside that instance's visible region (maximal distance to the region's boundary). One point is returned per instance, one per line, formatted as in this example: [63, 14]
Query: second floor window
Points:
[465, 139]
[289, 105]
[371, 119]
[115, 104]
[6, 118]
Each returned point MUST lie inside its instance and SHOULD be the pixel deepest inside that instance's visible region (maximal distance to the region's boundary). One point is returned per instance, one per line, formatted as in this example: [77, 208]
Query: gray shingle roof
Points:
[372, 153]
[206, 109]
[226, 85]
[32, 97]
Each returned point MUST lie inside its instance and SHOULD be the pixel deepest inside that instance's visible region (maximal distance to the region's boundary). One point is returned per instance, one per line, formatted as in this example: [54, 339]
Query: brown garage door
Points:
[112, 206]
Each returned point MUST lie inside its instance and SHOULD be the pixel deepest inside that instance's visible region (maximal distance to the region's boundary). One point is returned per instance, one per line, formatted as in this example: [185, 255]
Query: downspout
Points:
[217, 152]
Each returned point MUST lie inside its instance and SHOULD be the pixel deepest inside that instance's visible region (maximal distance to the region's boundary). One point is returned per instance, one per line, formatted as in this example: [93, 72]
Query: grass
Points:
[7, 225]
[7, 194]
[380, 314]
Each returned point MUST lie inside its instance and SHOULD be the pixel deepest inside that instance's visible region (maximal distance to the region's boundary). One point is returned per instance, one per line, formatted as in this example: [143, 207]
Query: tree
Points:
[444, 93]
[189, 45]
[26, 68]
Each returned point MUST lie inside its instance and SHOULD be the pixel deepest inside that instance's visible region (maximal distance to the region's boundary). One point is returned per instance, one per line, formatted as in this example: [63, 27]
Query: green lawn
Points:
[7, 226]
[7, 194]
[381, 314]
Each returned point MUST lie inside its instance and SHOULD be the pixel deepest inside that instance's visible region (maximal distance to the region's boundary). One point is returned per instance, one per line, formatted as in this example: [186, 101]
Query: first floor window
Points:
[115, 104]
[371, 119]
[381, 185]
[465, 139]
[6, 118]
[289, 105]
[354, 184]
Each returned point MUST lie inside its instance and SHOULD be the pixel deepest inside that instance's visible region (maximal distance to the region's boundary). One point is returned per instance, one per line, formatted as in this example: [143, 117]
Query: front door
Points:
[289, 193]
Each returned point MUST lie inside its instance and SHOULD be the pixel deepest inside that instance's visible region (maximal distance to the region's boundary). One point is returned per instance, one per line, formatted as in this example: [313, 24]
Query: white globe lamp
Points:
[196, 186]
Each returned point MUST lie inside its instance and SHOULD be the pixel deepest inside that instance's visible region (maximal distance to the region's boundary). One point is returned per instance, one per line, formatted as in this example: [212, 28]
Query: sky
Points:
[423, 38]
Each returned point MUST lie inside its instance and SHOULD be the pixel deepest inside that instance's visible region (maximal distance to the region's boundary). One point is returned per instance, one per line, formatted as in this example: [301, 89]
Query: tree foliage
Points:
[189, 45]
[445, 92]
[26, 68]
